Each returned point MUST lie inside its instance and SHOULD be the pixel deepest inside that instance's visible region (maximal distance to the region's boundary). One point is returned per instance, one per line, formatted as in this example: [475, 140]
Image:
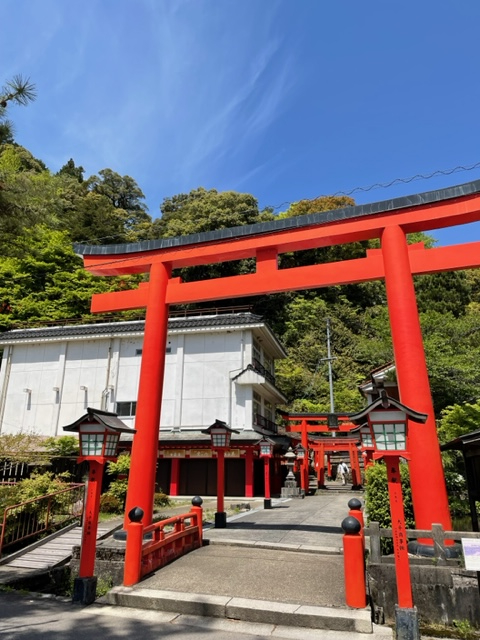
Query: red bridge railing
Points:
[171, 538]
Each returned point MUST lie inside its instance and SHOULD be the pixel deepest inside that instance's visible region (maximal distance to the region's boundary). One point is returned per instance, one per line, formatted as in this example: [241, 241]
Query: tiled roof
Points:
[112, 328]
[348, 213]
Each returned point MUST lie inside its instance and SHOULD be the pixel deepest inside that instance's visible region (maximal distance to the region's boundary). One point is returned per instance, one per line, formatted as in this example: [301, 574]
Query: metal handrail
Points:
[259, 368]
[265, 423]
[37, 515]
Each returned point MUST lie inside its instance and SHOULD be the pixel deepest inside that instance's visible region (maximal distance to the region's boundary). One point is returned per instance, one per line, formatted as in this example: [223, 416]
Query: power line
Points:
[372, 187]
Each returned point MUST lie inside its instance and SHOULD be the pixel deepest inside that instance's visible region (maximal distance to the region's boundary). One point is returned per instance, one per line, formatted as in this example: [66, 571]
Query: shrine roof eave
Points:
[392, 206]
[464, 442]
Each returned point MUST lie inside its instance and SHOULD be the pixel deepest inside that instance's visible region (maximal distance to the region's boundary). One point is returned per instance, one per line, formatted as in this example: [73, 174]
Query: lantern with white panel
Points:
[99, 435]
[387, 422]
[220, 434]
[266, 452]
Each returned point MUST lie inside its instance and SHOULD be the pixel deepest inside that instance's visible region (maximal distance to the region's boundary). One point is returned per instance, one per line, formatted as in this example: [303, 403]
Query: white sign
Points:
[471, 553]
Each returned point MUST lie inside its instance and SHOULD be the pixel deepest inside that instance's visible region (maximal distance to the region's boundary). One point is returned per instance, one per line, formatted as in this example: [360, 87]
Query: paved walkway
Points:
[290, 553]
[282, 566]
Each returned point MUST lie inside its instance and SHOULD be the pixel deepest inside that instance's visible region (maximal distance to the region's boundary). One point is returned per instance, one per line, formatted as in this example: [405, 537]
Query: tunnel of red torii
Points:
[395, 262]
[310, 426]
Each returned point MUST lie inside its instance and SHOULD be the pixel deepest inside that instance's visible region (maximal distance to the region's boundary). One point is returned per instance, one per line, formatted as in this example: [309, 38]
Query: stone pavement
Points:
[280, 567]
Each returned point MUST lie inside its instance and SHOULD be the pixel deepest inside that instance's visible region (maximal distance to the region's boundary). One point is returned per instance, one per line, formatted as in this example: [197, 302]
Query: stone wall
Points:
[441, 594]
[109, 561]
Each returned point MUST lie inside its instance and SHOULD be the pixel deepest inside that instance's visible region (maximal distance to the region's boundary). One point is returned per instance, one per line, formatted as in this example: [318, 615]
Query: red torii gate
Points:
[324, 446]
[308, 423]
[396, 262]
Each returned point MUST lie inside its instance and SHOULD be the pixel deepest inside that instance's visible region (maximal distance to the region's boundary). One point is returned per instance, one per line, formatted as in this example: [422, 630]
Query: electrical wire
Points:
[372, 187]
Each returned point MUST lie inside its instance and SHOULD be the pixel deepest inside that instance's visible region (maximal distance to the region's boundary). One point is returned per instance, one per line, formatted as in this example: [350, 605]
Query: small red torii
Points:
[396, 263]
[310, 423]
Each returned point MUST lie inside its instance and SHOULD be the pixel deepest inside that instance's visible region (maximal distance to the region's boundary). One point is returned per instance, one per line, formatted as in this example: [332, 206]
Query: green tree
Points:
[445, 292]
[377, 502]
[126, 207]
[303, 376]
[20, 447]
[457, 420]
[46, 280]
[202, 210]
[70, 169]
[317, 205]
[451, 346]
[62, 446]
[18, 91]
[27, 194]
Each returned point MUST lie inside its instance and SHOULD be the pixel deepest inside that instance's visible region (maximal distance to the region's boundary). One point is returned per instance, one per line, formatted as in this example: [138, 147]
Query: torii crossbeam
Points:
[396, 262]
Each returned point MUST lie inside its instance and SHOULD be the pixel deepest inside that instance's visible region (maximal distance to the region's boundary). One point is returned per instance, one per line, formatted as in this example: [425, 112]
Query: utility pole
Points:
[330, 372]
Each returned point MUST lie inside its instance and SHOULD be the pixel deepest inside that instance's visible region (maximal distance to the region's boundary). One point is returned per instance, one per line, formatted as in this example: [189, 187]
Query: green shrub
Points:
[118, 489]
[161, 499]
[9, 495]
[63, 446]
[110, 504]
[377, 503]
[41, 484]
[119, 469]
[121, 466]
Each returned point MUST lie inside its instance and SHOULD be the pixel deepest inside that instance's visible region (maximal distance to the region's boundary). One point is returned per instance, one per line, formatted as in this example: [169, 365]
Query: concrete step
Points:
[244, 609]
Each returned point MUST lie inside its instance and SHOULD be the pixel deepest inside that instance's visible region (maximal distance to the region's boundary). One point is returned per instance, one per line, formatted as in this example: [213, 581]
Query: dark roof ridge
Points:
[218, 320]
[357, 211]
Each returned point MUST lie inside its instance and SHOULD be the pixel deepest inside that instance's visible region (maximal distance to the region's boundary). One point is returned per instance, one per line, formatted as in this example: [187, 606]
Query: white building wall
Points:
[30, 400]
[86, 365]
[209, 359]
[198, 386]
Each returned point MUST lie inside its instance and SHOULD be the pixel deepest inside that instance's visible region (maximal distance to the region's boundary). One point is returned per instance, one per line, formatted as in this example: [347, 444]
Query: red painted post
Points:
[267, 502]
[141, 486]
[220, 480]
[430, 501]
[198, 510]
[249, 472]
[354, 564]
[400, 542]
[90, 520]
[174, 477]
[321, 466]
[305, 461]
[355, 510]
[356, 475]
[132, 572]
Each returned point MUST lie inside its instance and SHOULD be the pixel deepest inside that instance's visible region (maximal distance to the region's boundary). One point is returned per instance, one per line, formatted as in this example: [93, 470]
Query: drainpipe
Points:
[6, 380]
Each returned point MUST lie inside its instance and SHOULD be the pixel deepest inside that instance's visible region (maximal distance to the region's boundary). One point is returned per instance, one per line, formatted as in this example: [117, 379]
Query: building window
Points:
[126, 409]
[257, 407]
[268, 411]
[268, 363]
[257, 351]
[138, 352]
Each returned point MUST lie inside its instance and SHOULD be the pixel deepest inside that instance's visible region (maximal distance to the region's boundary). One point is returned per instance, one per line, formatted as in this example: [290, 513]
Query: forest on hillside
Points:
[42, 280]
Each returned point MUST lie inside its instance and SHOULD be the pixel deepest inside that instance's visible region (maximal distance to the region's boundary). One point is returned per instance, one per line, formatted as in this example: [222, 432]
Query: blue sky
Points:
[284, 99]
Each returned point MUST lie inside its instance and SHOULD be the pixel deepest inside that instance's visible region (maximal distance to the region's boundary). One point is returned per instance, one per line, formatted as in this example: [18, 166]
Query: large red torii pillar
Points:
[395, 262]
